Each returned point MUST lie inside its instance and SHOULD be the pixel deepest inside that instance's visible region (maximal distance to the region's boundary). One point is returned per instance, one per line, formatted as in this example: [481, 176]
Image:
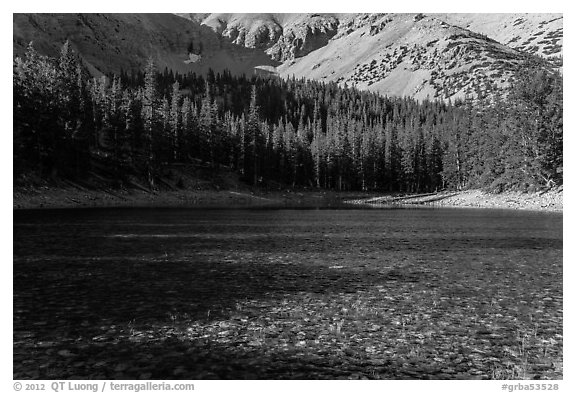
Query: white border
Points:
[297, 6]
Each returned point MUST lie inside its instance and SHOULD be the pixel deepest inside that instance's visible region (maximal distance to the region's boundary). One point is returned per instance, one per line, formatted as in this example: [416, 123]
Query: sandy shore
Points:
[547, 201]
[543, 201]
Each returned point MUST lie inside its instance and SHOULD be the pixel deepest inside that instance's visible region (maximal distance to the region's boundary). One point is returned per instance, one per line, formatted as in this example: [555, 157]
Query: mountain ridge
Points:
[436, 56]
[384, 52]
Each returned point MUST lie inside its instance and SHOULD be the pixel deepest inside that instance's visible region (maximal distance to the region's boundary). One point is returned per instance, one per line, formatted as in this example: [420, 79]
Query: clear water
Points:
[382, 233]
[79, 273]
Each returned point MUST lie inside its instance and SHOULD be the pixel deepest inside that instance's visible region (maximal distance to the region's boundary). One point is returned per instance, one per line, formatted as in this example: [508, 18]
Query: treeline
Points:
[280, 132]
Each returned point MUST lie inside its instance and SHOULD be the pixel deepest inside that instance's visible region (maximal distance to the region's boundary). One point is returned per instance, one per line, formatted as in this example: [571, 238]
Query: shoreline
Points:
[73, 198]
[70, 198]
[546, 201]
[549, 201]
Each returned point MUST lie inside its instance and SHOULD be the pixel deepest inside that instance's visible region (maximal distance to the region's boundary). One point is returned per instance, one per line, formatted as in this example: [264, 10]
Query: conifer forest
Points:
[282, 133]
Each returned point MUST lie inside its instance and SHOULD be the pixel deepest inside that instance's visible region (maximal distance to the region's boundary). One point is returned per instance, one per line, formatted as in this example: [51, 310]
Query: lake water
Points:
[144, 233]
[78, 271]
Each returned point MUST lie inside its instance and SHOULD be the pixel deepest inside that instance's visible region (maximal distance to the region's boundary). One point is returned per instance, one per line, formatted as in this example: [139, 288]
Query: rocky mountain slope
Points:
[410, 55]
[282, 36]
[418, 55]
[541, 34]
[112, 42]
[435, 55]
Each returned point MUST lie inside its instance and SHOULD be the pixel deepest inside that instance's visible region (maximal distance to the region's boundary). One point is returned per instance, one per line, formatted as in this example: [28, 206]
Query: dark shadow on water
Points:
[75, 304]
[120, 291]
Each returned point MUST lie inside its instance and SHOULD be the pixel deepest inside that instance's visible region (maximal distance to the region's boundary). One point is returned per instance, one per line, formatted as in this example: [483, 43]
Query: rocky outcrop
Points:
[262, 34]
[283, 36]
[302, 38]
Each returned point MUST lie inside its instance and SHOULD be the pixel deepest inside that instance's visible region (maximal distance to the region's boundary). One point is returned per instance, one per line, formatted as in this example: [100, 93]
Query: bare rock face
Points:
[262, 36]
[241, 29]
[302, 38]
[283, 36]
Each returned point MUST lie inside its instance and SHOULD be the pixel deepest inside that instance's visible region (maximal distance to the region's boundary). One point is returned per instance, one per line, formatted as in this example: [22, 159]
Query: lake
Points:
[287, 293]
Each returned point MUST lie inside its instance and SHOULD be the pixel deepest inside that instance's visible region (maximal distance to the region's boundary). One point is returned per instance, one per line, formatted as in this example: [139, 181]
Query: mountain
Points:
[540, 34]
[417, 55]
[436, 55]
[115, 42]
[282, 36]
[410, 55]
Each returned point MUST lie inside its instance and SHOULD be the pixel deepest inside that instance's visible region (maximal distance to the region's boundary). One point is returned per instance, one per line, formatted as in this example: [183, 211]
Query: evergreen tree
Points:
[296, 132]
[253, 139]
[175, 121]
[149, 117]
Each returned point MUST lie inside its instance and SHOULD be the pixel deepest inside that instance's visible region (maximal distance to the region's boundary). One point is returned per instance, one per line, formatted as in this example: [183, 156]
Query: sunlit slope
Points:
[540, 34]
[410, 55]
[418, 55]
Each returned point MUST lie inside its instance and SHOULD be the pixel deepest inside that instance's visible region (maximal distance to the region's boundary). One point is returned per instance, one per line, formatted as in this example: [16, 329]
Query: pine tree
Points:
[209, 129]
[186, 143]
[175, 121]
[317, 145]
[253, 137]
[149, 116]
